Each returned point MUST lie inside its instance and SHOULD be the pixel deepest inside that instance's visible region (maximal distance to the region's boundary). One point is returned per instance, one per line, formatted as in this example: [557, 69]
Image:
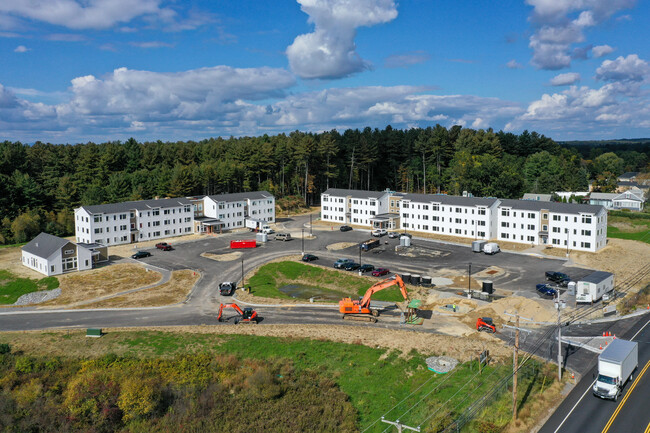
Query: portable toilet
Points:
[262, 237]
[405, 241]
[571, 288]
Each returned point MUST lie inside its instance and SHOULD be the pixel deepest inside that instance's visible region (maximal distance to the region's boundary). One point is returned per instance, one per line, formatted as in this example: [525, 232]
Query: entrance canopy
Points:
[385, 221]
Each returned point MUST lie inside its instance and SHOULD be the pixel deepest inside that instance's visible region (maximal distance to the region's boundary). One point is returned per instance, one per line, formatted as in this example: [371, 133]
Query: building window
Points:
[586, 219]
[556, 218]
[544, 216]
[505, 212]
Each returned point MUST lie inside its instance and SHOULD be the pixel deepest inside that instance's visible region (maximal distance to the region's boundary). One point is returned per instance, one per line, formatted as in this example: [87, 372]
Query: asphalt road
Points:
[582, 412]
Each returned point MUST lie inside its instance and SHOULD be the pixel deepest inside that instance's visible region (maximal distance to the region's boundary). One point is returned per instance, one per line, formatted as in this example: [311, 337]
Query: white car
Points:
[379, 232]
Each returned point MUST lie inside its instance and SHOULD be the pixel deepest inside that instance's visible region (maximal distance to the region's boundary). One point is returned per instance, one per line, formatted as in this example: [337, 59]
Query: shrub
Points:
[24, 364]
[5, 348]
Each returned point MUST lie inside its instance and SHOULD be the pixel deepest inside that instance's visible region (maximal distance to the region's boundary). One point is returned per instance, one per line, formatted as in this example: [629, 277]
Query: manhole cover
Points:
[492, 272]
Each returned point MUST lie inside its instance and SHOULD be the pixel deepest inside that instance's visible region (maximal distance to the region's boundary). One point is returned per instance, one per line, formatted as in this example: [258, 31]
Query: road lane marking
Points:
[590, 386]
[647, 429]
[620, 406]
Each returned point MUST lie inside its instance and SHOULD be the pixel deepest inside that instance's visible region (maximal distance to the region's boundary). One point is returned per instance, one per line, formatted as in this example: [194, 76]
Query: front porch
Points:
[208, 225]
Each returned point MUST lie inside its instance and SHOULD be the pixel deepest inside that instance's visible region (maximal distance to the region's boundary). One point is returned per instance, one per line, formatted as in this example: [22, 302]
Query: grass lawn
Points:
[13, 287]
[375, 380]
[270, 277]
[630, 227]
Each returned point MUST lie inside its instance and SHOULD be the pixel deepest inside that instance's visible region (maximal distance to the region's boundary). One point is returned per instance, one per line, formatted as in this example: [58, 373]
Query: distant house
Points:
[537, 197]
[630, 176]
[51, 255]
[632, 199]
[604, 199]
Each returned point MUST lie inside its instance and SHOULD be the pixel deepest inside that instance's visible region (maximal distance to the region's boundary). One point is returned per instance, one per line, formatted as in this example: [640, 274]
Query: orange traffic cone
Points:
[605, 343]
[601, 347]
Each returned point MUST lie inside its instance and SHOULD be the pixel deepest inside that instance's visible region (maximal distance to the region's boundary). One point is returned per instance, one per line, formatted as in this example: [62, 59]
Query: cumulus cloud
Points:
[555, 32]
[565, 79]
[406, 59]
[329, 51]
[630, 68]
[21, 49]
[151, 44]
[601, 50]
[513, 64]
[617, 103]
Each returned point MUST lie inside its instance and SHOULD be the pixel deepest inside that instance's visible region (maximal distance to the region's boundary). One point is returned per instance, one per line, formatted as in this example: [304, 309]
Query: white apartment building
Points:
[468, 217]
[133, 221]
[576, 226]
[229, 211]
[365, 208]
[565, 225]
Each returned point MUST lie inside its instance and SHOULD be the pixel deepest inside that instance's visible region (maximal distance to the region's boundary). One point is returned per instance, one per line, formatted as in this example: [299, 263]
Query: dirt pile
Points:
[228, 257]
[528, 308]
[340, 246]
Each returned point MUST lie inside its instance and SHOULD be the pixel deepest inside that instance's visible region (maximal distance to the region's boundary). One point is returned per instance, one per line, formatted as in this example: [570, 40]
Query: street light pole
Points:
[303, 241]
[559, 339]
[469, 281]
[310, 232]
[242, 273]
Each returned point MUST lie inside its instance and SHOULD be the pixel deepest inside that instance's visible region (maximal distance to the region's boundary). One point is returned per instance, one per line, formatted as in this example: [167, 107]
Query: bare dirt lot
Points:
[10, 260]
[341, 246]
[228, 257]
[172, 292]
[83, 286]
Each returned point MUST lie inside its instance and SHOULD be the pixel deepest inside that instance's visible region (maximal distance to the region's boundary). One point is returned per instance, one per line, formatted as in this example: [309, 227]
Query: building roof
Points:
[629, 175]
[596, 277]
[44, 245]
[603, 195]
[538, 197]
[127, 206]
[571, 208]
[453, 200]
[240, 196]
[354, 193]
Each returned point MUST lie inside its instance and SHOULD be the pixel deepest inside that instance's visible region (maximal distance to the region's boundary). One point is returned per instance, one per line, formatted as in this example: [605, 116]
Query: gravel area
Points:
[441, 364]
[38, 297]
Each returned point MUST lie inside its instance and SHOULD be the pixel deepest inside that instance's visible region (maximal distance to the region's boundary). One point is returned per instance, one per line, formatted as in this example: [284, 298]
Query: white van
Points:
[491, 248]
[283, 236]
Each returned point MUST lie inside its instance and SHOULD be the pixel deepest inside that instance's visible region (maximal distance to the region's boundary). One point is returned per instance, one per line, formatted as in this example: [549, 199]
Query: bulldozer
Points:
[247, 315]
[360, 309]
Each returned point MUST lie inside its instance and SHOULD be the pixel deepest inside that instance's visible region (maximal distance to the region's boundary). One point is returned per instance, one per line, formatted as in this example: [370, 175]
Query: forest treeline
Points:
[41, 184]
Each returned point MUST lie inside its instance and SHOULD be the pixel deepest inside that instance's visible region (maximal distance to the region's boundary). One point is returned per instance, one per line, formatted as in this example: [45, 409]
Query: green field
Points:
[13, 287]
[633, 226]
[372, 380]
[270, 277]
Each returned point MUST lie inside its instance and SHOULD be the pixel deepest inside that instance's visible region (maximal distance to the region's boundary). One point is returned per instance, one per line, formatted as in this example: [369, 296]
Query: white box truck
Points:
[615, 366]
[592, 287]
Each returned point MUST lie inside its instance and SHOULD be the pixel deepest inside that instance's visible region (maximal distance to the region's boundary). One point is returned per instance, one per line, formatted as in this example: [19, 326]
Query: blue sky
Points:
[75, 71]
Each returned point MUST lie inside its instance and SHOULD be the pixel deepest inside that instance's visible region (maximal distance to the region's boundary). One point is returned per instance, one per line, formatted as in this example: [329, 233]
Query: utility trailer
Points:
[592, 287]
[615, 366]
[477, 246]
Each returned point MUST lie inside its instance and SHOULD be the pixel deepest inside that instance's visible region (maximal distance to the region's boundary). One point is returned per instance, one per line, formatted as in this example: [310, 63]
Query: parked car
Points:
[366, 268]
[393, 235]
[164, 246]
[345, 228]
[340, 263]
[379, 232]
[283, 236]
[351, 266]
[309, 258]
[546, 290]
[379, 272]
[141, 255]
[558, 278]
[227, 288]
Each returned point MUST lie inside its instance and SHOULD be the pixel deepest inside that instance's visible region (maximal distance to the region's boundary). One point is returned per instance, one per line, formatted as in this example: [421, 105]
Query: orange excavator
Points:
[247, 315]
[360, 309]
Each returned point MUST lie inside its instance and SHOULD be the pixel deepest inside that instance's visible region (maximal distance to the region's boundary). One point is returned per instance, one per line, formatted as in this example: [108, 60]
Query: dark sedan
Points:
[309, 258]
[366, 268]
[345, 228]
[141, 255]
[379, 272]
[546, 290]
[351, 266]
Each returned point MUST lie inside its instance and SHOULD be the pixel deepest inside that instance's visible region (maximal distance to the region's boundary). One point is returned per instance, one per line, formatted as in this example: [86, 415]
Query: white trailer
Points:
[592, 287]
[252, 223]
[615, 366]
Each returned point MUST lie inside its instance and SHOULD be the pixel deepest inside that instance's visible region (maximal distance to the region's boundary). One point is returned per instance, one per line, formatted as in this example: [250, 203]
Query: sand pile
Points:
[340, 246]
[529, 308]
[228, 257]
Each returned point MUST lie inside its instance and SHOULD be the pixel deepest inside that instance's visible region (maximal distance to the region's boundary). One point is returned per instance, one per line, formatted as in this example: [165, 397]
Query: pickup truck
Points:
[227, 288]
[164, 246]
[340, 263]
[557, 278]
[379, 232]
[546, 290]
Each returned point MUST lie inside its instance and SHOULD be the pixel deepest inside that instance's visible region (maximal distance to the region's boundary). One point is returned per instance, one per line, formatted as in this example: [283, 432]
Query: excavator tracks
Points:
[359, 318]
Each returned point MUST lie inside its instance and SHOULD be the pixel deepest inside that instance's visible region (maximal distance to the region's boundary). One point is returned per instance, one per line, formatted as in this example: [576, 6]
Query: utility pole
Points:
[515, 367]
[242, 273]
[310, 232]
[469, 281]
[559, 339]
[400, 427]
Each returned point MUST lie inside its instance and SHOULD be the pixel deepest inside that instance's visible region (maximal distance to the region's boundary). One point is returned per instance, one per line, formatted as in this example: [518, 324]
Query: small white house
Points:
[632, 199]
[592, 287]
[51, 255]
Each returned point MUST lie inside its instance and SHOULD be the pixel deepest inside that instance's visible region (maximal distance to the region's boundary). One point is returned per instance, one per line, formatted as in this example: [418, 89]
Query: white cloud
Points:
[513, 64]
[152, 44]
[406, 59]
[601, 50]
[329, 51]
[555, 32]
[21, 49]
[565, 79]
[630, 68]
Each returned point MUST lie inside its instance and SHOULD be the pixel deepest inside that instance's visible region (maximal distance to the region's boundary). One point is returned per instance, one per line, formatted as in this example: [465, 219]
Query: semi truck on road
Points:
[615, 366]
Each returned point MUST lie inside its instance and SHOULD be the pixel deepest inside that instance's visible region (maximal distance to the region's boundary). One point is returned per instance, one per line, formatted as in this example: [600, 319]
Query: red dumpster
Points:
[243, 244]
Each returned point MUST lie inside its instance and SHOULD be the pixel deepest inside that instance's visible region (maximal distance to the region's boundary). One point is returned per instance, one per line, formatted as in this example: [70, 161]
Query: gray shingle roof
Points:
[538, 197]
[596, 277]
[128, 206]
[628, 175]
[570, 208]
[44, 245]
[239, 196]
[603, 195]
[453, 200]
[354, 193]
